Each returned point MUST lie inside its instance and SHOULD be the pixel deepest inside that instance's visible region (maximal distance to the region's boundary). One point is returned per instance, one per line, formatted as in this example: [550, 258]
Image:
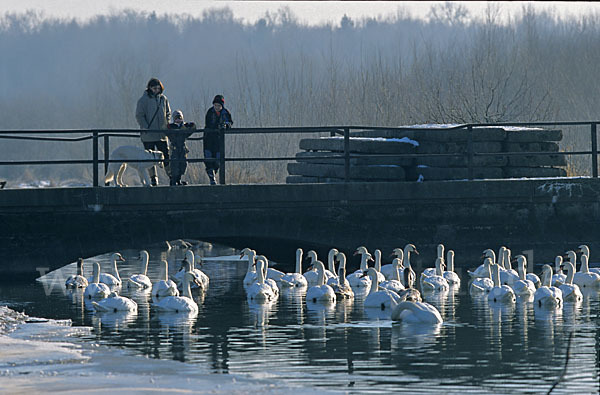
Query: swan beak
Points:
[197, 282]
[121, 258]
[415, 251]
[365, 274]
[355, 253]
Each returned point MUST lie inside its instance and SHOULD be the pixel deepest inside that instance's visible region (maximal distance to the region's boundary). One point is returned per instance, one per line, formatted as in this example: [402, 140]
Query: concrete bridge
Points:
[51, 227]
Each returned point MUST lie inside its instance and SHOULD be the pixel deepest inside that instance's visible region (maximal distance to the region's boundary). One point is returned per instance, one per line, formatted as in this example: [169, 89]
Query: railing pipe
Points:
[470, 152]
[222, 159]
[346, 155]
[594, 151]
[95, 157]
[106, 153]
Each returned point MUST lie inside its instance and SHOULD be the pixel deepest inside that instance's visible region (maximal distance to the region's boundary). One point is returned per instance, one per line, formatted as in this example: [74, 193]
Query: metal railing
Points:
[345, 131]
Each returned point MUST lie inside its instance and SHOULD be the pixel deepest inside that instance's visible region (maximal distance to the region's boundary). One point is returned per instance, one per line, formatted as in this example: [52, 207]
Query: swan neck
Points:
[521, 271]
[570, 274]
[547, 278]
[378, 260]
[165, 271]
[450, 263]
[584, 264]
[363, 263]
[299, 262]
[96, 273]
[321, 273]
[438, 267]
[374, 282]
[187, 292]
[115, 270]
[145, 259]
[496, 275]
[260, 272]
[331, 261]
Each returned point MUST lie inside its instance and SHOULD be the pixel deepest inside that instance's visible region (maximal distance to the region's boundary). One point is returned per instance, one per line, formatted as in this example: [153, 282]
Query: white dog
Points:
[128, 153]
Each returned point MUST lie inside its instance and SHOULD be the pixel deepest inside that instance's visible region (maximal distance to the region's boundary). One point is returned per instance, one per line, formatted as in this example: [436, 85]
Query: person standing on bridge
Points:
[153, 113]
[178, 132]
[217, 119]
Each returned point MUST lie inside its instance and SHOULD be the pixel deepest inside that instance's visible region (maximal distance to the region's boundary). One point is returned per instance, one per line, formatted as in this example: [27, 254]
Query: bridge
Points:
[50, 227]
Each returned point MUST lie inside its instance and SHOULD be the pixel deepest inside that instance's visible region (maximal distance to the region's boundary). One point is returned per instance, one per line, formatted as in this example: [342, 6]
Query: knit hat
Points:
[177, 114]
[219, 99]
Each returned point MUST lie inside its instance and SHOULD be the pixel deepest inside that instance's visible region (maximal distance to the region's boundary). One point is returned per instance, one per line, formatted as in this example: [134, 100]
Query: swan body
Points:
[482, 271]
[379, 298]
[269, 281]
[96, 289]
[164, 287]
[250, 276]
[523, 287]
[584, 278]
[416, 313]
[342, 288]
[559, 277]
[141, 280]
[547, 295]
[331, 276]
[508, 276]
[436, 282]
[585, 250]
[482, 285]
[394, 283]
[449, 273]
[77, 280]
[113, 280]
[321, 292]
[296, 279]
[570, 291]
[357, 280]
[311, 275]
[114, 303]
[430, 271]
[409, 293]
[388, 270]
[260, 291]
[180, 304]
[500, 293]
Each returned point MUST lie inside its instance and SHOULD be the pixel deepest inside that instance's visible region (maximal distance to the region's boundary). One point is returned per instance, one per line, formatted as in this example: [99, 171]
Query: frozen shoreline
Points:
[47, 357]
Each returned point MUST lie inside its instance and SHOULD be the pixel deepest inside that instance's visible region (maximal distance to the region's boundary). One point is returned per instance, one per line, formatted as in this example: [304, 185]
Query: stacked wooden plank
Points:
[322, 159]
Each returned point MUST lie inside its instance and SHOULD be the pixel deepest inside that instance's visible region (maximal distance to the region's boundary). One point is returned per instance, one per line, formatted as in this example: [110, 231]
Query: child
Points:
[178, 132]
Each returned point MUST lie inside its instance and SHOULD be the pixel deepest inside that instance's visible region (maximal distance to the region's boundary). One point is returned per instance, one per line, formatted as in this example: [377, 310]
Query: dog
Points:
[126, 154]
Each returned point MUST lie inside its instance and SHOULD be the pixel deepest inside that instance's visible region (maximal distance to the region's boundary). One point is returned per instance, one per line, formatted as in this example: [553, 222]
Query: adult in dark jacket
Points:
[217, 118]
[178, 132]
[153, 112]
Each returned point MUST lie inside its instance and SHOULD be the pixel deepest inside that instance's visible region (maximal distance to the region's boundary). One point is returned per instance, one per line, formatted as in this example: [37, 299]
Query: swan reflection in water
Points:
[414, 336]
[259, 313]
[114, 321]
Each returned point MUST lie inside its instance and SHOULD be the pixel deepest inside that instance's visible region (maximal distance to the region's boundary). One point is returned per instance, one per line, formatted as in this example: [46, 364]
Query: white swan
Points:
[331, 276]
[508, 276]
[570, 291]
[342, 288]
[523, 288]
[200, 275]
[180, 304]
[500, 293]
[113, 280]
[321, 292]
[377, 265]
[269, 281]
[296, 279]
[114, 303]
[583, 278]
[260, 291]
[449, 273]
[311, 275]
[436, 282]
[388, 270]
[164, 287]
[409, 293]
[77, 280]
[394, 283]
[250, 276]
[484, 283]
[430, 271]
[559, 277]
[547, 295]
[141, 280]
[95, 288]
[379, 298]
[585, 250]
[357, 280]
[481, 270]
[416, 313]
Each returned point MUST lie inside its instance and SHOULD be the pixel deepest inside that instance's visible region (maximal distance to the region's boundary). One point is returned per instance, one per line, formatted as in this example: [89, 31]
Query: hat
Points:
[219, 99]
[177, 114]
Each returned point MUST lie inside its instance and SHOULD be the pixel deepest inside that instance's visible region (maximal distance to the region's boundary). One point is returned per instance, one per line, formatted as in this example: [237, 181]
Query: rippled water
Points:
[479, 348]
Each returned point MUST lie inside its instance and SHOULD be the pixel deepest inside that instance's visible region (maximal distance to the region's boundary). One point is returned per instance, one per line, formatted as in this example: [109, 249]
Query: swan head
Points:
[117, 257]
[521, 261]
[558, 261]
[189, 278]
[80, 266]
[249, 252]
[397, 263]
[340, 257]
[144, 255]
[488, 253]
[584, 250]
[572, 256]
[186, 265]
[332, 253]
[450, 260]
[371, 272]
[362, 250]
[398, 253]
[440, 266]
[440, 250]
[312, 255]
[547, 275]
[410, 248]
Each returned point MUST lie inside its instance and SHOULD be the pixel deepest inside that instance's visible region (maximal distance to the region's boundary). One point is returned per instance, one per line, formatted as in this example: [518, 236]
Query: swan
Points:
[311, 276]
[430, 271]
[585, 250]
[436, 282]
[547, 295]
[342, 288]
[449, 273]
[409, 249]
[141, 280]
[482, 284]
[394, 283]
[203, 279]
[109, 279]
[320, 292]
[379, 298]
[180, 304]
[416, 313]
[377, 265]
[508, 275]
[388, 270]
[296, 279]
[570, 291]
[409, 293]
[481, 270]
[115, 303]
[260, 291]
[500, 293]
[523, 287]
[330, 273]
[77, 280]
[250, 276]
[583, 278]
[95, 288]
[357, 280]
[559, 278]
[164, 286]
[269, 281]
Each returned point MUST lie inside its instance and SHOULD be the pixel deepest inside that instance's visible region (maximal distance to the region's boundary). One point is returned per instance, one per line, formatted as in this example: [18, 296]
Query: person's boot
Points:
[211, 177]
[153, 176]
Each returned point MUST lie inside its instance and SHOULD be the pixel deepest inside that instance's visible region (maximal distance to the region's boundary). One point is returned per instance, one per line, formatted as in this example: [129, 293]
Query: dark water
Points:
[479, 348]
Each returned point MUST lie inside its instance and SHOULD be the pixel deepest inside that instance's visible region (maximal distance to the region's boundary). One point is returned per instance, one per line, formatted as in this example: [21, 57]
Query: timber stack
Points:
[322, 159]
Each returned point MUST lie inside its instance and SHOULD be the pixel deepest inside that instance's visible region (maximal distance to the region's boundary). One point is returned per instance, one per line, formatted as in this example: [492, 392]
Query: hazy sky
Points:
[310, 12]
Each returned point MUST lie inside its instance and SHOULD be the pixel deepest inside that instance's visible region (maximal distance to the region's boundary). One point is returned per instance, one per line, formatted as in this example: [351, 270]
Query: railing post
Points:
[222, 159]
[470, 152]
[95, 157]
[594, 151]
[346, 155]
[106, 154]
